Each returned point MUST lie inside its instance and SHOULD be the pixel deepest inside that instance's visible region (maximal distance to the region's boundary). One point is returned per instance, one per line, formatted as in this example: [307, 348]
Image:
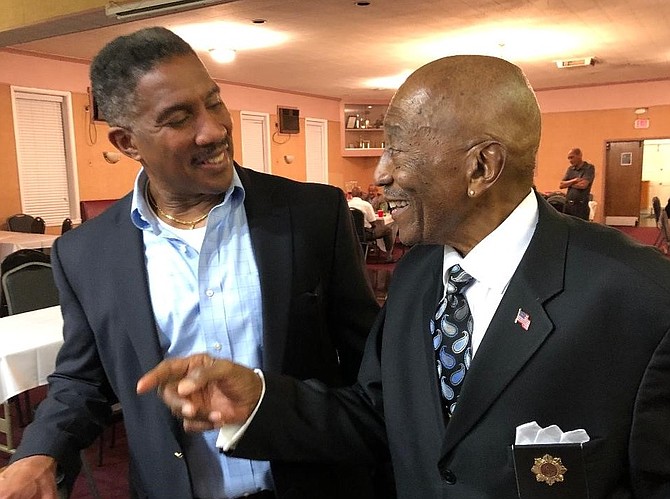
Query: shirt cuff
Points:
[230, 434]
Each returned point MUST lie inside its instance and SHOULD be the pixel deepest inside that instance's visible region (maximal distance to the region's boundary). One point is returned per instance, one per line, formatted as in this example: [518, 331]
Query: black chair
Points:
[557, 200]
[115, 417]
[656, 208]
[29, 286]
[26, 223]
[67, 225]
[16, 259]
[358, 219]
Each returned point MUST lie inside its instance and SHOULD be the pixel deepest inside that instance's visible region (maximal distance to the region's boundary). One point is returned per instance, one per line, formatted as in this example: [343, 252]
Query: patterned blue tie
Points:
[451, 328]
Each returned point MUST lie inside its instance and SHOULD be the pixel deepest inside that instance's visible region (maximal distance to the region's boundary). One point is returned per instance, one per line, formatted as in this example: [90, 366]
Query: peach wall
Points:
[585, 118]
[590, 130]
[631, 95]
[98, 179]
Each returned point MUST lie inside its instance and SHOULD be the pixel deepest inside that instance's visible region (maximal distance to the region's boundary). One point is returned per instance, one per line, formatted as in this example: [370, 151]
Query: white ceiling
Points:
[334, 46]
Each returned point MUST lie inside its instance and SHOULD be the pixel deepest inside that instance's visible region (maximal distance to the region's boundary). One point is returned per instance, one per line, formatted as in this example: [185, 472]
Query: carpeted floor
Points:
[111, 478]
[644, 235]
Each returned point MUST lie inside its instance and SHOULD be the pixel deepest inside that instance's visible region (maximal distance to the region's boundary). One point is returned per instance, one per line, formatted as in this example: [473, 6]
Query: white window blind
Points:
[41, 152]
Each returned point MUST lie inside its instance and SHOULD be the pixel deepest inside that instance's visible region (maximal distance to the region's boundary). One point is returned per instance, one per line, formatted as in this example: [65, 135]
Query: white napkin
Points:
[532, 433]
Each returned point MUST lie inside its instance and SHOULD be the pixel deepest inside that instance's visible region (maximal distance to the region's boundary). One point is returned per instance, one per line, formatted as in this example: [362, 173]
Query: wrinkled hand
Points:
[205, 392]
[32, 477]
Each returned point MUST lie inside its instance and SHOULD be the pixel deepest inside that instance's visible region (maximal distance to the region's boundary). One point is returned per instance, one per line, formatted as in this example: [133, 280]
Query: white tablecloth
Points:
[14, 241]
[29, 343]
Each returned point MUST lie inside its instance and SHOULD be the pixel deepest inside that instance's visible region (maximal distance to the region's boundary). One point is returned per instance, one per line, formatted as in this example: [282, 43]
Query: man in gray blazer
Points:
[202, 256]
[559, 322]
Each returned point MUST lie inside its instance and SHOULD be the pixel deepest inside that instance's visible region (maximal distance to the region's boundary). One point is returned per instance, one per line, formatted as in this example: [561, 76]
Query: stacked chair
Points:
[26, 223]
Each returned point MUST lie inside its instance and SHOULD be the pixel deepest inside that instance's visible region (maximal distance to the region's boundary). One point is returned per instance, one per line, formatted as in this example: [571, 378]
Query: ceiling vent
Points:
[576, 63]
[146, 8]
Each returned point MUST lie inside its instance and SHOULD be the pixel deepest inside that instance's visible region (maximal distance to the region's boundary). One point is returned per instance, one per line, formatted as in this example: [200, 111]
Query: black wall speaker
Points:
[93, 107]
[289, 119]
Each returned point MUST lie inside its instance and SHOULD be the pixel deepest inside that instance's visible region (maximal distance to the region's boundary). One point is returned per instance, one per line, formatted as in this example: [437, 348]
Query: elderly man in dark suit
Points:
[505, 312]
[202, 256]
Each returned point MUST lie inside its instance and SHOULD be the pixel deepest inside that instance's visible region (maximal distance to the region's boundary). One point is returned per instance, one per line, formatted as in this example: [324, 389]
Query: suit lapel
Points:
[269, 218]
[507, 346]
[133, 314]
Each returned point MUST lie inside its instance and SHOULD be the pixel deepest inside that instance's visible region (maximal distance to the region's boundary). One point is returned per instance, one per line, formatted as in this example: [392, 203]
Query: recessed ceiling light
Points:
[388, 82]
[222, 55]
[259, 21]
[361, 4]
[214, 34]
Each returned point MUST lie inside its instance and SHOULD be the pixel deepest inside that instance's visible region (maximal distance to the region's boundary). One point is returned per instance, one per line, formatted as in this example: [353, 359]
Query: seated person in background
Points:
[379, 203]
[373, 228]
[370, 195]
[377, 200]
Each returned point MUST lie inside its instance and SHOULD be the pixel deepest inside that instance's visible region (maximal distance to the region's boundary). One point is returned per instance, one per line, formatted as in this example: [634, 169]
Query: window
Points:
[45, 150]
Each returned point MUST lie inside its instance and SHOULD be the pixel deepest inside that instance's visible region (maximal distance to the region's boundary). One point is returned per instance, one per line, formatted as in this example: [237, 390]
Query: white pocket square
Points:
[533, 434]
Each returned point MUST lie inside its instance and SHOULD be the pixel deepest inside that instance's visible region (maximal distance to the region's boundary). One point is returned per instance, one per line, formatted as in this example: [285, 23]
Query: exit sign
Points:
[641, 123]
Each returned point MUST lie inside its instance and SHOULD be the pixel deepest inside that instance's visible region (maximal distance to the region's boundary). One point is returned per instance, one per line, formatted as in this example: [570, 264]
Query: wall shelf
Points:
[362, 129]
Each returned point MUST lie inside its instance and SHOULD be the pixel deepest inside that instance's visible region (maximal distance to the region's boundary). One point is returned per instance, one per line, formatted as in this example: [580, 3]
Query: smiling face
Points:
[181, 132]
[428, 193]
[461, 136]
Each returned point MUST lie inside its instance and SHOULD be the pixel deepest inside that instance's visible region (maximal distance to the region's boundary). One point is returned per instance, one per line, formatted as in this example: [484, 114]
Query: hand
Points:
[32, 477]
[206, 392]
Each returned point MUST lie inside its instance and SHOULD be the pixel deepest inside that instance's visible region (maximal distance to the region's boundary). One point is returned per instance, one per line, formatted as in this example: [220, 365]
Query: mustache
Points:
[394, 194]
[211, 150]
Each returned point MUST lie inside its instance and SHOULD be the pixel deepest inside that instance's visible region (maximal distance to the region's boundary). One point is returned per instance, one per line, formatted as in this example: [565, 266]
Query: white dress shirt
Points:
[492, 263]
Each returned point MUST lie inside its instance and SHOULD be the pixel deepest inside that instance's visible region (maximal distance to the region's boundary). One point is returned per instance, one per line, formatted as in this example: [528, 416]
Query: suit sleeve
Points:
[302, 421]
[650, 440]
[77, 405]
[352, 306]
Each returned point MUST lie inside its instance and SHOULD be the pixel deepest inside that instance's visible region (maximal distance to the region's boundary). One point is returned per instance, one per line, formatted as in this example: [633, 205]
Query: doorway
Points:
[316, 150]
[255, 129]
[636, 172]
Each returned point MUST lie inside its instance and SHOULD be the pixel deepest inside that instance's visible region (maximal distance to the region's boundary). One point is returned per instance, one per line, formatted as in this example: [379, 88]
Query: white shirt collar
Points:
[493, 261]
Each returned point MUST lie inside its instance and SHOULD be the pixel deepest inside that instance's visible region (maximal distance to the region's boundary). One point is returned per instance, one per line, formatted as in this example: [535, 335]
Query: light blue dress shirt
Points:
[206, 297]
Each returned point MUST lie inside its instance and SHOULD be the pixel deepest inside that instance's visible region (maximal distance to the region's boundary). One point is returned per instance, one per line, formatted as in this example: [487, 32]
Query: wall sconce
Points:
[111, 157]
[641, 110]
[288, 158]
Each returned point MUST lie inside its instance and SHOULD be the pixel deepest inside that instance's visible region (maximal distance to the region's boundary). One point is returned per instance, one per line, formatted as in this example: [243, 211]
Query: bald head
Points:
[477, 98]
[461, 138]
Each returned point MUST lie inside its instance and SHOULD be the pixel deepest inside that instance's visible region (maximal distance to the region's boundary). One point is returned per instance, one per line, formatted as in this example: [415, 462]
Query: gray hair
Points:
[118, 67]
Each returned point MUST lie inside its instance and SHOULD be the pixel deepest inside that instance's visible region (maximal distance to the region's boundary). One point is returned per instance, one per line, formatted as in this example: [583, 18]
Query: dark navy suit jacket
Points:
[596, 356]
[317, 309]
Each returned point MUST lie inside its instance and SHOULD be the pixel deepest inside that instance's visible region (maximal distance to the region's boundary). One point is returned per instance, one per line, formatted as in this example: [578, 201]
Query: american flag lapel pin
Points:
[523, 319]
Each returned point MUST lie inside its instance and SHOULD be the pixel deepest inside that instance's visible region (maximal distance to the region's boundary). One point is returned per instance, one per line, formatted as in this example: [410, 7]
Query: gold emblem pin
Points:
[548, 469]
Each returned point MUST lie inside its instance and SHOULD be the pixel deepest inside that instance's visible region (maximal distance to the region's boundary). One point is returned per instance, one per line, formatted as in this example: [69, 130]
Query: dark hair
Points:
[118, 67]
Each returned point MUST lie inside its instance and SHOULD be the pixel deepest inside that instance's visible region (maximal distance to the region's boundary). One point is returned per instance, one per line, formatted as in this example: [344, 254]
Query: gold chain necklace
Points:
[191, 224]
